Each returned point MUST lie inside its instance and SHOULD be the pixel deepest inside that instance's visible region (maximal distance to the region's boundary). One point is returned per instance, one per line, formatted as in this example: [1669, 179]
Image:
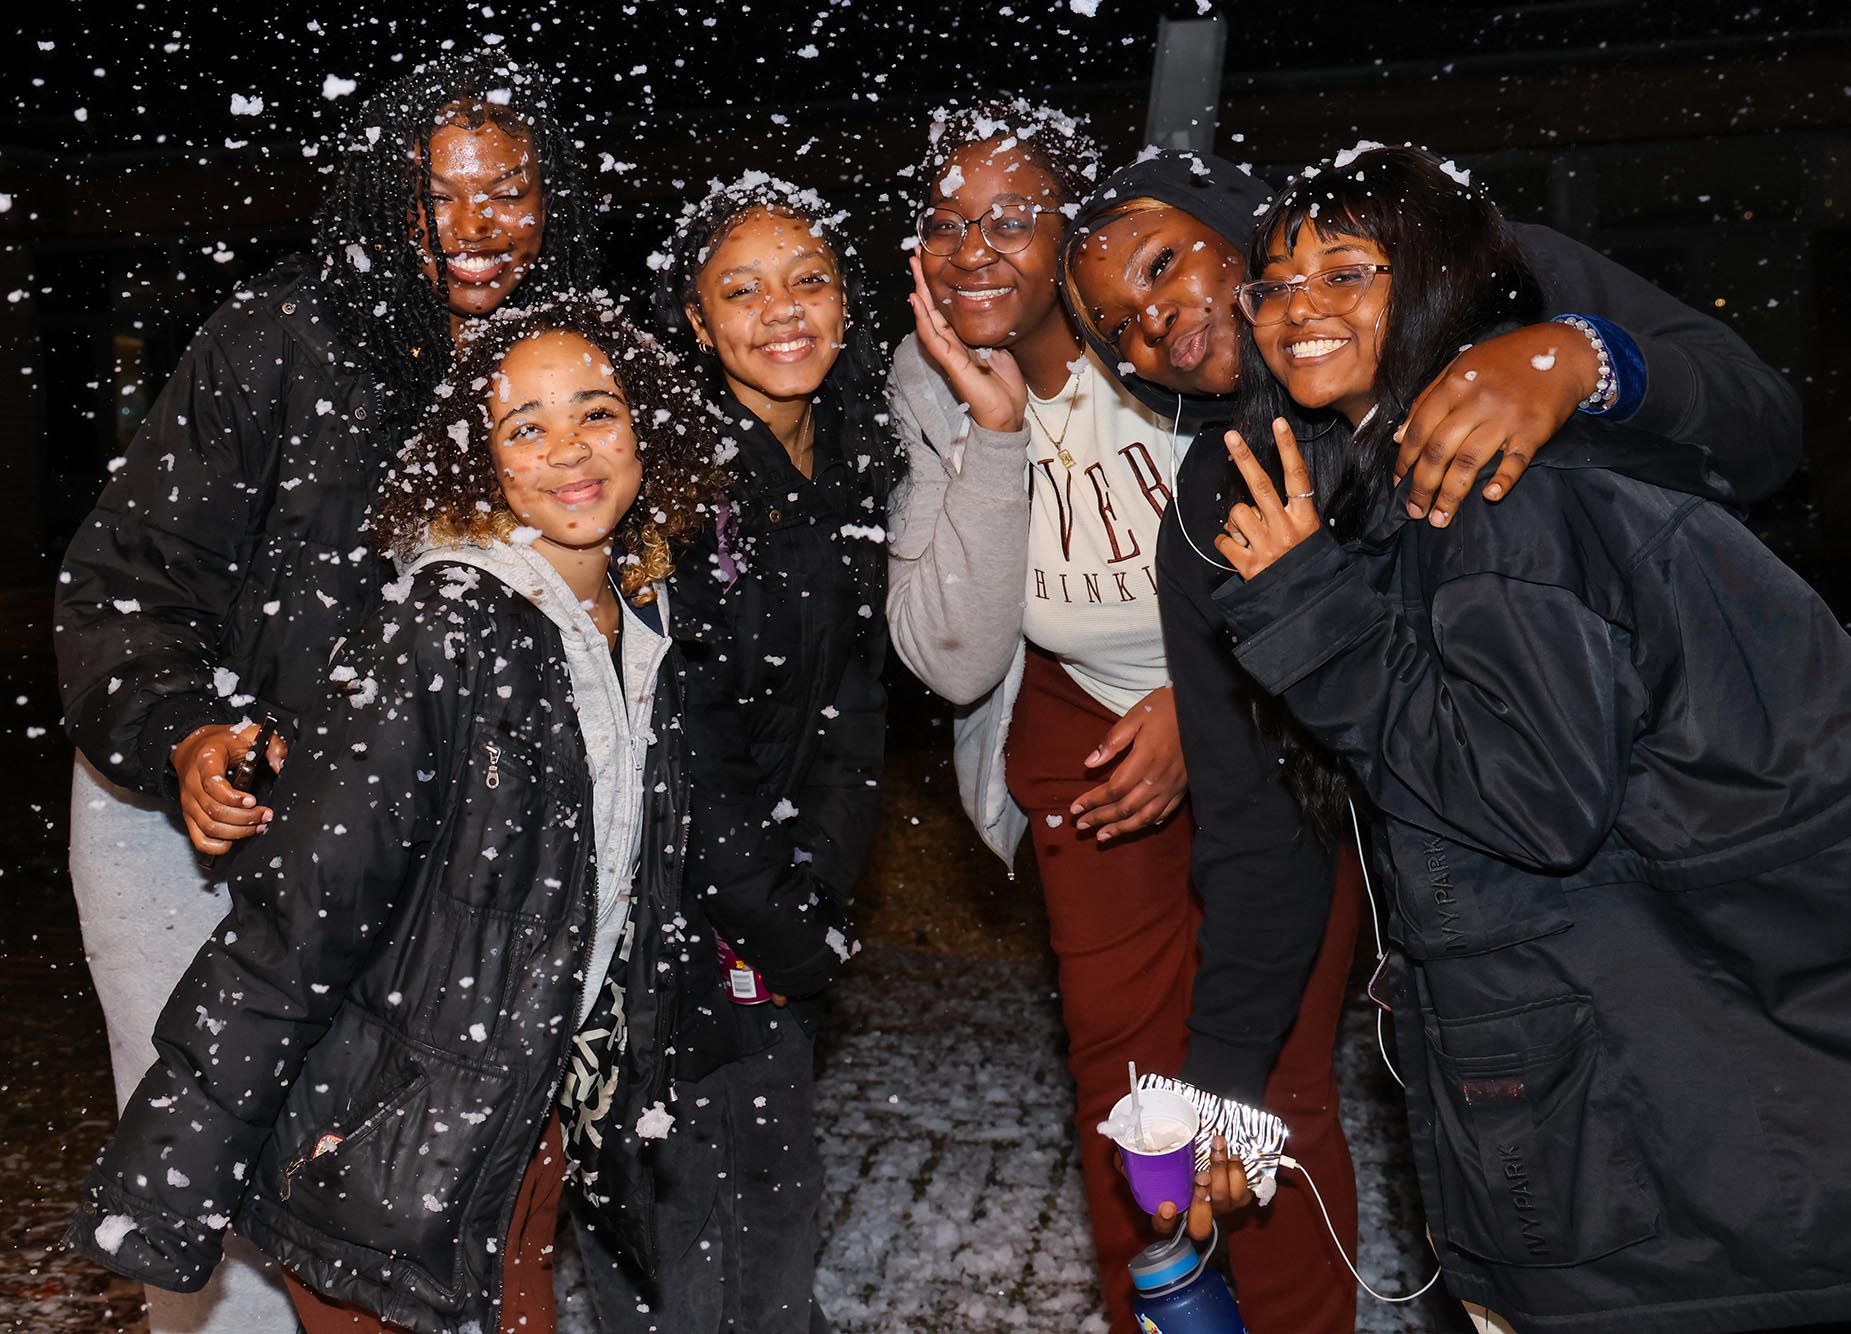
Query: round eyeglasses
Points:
[1332, 291]
[1006, 227]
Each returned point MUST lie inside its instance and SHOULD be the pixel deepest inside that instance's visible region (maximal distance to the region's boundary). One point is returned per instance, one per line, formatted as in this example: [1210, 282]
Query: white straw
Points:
[1137, 1109]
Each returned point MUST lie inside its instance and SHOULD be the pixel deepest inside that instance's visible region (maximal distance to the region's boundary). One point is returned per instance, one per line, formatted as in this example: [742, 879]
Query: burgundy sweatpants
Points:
[1122, 919]
[527, 1301]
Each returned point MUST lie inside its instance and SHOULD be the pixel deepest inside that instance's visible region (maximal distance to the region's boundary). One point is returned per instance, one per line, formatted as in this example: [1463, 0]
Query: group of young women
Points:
[599, 750]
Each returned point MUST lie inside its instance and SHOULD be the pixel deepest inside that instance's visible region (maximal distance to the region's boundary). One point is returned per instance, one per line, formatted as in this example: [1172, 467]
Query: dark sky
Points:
[102, 76]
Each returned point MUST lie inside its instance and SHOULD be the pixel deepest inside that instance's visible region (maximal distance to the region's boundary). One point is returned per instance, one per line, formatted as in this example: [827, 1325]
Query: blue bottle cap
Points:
[1164, 1262]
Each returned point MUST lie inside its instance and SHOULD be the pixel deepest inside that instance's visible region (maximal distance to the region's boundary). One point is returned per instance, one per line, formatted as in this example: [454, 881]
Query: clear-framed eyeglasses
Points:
[1332, 291]
[1007, 227]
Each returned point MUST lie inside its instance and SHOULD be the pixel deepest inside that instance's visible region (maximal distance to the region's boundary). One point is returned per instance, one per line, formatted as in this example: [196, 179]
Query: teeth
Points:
[983, 293]
[477, 263]
[794, 345]
[1315, 347]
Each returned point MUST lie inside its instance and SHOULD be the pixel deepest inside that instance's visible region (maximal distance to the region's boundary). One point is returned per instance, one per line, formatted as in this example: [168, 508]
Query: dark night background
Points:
[1702, 143]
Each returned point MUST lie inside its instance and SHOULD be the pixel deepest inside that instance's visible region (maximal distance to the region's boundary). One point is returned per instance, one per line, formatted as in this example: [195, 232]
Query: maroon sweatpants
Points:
[1122, 918]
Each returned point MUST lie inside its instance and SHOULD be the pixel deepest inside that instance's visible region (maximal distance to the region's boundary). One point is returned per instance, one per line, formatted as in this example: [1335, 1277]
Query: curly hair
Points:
[391, 314]
[1058, 143]
[444, 489]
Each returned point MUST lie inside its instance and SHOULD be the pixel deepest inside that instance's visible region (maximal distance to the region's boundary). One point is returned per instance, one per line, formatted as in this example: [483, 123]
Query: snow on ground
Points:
[952, 1201]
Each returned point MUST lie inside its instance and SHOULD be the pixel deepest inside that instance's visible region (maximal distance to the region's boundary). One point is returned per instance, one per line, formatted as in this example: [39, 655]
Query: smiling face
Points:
[1325, 361]
[491, 216]
[1158, 285]
[992, 298]
[769, 301]
[563, 444]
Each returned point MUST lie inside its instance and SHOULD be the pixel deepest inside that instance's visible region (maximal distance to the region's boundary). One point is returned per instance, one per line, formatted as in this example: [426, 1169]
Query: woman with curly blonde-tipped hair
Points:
[440, 991]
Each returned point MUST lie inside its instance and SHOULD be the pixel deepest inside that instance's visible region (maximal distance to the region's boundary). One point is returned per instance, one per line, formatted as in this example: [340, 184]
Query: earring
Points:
[704, 347]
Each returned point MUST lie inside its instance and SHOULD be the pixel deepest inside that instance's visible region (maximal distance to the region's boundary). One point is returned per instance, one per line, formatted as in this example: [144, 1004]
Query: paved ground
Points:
[953, 1202]
[952, 1198]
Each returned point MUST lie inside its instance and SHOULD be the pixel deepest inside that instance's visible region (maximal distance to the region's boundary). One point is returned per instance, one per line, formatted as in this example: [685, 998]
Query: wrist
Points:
[1605, 390]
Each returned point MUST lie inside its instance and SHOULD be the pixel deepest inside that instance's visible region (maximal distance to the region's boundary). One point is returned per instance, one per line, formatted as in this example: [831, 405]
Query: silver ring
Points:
[1304, 495]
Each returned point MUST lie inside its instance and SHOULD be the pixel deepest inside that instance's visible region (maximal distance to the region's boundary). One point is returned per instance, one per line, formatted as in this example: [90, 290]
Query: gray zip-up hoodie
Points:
[613, 720]
[958, 568]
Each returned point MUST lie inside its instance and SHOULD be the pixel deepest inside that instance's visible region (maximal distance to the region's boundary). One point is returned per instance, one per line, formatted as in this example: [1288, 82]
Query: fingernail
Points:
[1400, 431]
[1075, 809]
[1494, 492]
[1415, 511]
[1095, 757]
[1441, 518]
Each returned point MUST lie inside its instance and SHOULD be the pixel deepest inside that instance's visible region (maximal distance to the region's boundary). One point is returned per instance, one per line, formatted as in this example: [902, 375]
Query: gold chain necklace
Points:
[1059, 441]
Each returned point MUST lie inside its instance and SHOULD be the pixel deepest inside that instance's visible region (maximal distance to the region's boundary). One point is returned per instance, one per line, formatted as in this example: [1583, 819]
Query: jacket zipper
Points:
[493, 780]
[387, 1105]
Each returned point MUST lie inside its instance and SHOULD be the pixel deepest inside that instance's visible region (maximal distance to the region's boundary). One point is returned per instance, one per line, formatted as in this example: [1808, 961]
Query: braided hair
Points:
[393, 316]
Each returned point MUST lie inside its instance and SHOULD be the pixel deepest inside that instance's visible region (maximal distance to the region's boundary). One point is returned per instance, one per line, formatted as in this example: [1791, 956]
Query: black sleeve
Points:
[1264, 878]
[1508, 726]
[841, 796]
[747, 859]
[1705, 388]
[151, 576]
[310, 901]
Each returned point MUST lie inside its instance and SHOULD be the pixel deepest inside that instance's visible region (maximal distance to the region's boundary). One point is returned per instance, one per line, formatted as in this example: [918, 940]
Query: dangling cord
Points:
[1176, 491]
[1361, 1282]
[1381, 950]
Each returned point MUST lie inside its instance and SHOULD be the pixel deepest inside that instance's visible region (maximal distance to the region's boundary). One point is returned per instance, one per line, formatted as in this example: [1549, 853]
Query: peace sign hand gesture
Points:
[1256, 535]
[989, 384]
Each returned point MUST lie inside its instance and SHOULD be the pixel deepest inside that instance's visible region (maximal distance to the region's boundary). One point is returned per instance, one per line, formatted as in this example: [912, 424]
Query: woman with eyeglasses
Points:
[1034, 610]
[1604, 738]
[1152, 267]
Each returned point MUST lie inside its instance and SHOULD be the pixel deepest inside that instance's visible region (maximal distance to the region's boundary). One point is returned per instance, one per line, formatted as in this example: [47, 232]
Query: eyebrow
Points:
[1341, 248]
[438, 178]
[582, 396]
[726, 275]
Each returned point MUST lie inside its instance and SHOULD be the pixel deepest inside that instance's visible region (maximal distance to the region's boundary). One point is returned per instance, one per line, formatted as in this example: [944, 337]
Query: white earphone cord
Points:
[1295, 1165]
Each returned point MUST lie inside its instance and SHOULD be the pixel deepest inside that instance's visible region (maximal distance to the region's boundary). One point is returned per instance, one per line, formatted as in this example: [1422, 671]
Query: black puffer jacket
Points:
[402, 967]
[779, 616]
[1609, 738]
[225, 557]
[1731, 428]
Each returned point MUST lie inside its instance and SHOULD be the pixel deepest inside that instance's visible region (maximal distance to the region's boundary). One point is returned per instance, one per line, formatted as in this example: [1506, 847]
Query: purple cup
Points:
[1164, 1171]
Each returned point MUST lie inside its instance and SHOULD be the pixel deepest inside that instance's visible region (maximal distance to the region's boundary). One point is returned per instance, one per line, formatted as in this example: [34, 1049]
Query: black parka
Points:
[780, 621]
[1608, 738]
[402, 967]
[225, 556]
[1730, 428]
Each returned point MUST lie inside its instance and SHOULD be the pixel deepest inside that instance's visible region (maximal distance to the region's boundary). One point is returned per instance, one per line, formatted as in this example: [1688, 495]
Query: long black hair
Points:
[392, 316]
[1458, 276]
[851, 394]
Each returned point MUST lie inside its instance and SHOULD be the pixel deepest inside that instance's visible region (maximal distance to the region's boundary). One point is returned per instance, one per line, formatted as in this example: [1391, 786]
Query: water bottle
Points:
[1177, 1293]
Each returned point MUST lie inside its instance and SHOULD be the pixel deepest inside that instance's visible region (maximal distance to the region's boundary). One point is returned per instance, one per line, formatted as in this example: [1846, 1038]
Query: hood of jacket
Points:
[1210, 189]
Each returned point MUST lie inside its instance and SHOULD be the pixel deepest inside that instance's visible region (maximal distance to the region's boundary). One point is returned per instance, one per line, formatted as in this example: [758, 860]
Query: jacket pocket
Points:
[1536, 1158]
[323, 1155]
[1452, 900]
